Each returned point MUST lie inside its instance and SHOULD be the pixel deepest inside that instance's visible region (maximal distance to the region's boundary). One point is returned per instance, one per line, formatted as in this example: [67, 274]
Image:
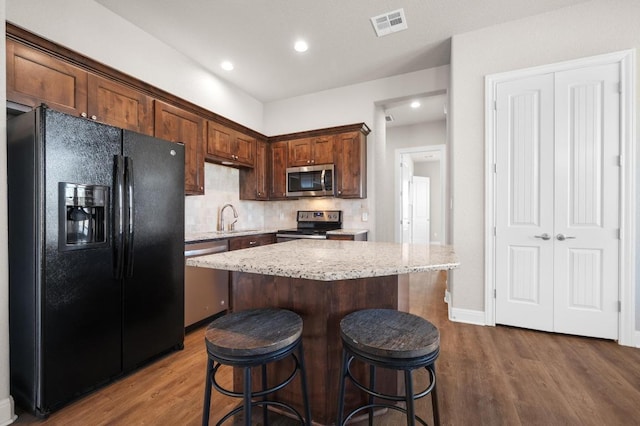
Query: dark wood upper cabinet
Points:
[229, 147]
[40, 71]
[278, 170]
[34, 77]
[323, 150]
[253, 181]
[351, 165]
[311, 151]
[118, 105]
[177, 125]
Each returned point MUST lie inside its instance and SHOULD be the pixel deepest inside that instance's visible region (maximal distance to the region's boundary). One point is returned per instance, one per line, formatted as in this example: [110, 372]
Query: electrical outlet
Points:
[365, 216]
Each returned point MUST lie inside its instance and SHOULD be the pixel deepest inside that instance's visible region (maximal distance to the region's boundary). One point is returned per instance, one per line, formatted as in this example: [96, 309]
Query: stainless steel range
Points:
[312, 224]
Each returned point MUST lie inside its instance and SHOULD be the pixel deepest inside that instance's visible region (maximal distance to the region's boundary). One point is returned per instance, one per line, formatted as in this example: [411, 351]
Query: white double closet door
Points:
[558, 201]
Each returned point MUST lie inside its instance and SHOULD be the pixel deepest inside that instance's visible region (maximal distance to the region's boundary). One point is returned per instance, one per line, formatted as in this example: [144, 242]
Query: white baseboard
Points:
[7, 415]
[466, 316]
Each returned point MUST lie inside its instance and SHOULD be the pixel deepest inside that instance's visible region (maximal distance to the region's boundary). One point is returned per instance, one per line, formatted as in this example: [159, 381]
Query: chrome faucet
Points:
[221, 218]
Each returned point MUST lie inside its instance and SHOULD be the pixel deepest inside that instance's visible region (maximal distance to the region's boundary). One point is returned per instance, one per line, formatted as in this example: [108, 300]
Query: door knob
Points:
[562, 237]
[544, 236]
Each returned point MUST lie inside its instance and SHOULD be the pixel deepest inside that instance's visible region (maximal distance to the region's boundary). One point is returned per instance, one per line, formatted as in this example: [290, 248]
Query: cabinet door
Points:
[228, 146]
[244, 148]
[177, 125]
[118, 105]
[299, 152]
[278, 172]
[238, 243]
[34, 78]
[351, 165]
[219, 141]
[322, 150]
[253, 181]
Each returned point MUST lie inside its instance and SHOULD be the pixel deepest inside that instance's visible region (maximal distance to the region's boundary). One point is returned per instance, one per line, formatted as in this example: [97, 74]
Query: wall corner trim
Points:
[7, 414]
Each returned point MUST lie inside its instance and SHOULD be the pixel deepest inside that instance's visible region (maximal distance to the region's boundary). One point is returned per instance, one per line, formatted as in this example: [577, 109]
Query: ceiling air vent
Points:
[389, 22]
[388, 118]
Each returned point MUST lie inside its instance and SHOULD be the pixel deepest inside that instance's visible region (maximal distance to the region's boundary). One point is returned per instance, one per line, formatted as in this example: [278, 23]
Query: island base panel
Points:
[321, 304]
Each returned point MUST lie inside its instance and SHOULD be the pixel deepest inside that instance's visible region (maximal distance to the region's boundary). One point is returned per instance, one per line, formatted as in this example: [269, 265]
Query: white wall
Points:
[591, 28]
[355, 104]
[94, 31]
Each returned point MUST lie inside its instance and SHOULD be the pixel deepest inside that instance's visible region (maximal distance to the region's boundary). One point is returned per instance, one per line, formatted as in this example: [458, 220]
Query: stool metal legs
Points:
[206, 408]
[409, 395]
[212, 367]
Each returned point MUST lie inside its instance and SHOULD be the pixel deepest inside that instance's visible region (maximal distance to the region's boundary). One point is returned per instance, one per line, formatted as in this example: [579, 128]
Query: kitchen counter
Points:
[221, 235]
[327, 260]
[322, 281]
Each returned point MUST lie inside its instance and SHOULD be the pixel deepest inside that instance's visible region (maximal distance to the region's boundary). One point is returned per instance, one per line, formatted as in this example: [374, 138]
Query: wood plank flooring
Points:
[486, 376]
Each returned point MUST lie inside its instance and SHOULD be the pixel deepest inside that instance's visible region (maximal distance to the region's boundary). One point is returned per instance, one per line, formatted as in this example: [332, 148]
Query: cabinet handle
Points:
[93, 117]
[253, 243]
[84, 115]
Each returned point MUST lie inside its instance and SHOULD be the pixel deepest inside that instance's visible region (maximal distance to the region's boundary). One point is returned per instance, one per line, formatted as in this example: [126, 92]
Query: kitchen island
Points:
[322, 281]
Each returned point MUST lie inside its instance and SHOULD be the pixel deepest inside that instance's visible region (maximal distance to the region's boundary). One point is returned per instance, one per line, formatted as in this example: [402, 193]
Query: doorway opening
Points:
[420, 195]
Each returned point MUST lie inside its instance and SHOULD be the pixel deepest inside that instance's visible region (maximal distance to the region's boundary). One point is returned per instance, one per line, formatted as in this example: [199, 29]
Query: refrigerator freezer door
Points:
[154, 286]
[82, 312]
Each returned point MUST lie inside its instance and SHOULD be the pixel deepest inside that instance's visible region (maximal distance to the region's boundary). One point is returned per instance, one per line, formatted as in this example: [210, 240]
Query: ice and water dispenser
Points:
[83, 216]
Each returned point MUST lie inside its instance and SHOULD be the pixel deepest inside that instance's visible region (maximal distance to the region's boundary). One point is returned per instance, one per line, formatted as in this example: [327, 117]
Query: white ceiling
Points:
[258, 37]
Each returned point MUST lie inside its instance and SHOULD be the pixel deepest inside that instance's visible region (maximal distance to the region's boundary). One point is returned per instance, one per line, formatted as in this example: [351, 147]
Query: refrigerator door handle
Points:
[129, 212]
[118, 218]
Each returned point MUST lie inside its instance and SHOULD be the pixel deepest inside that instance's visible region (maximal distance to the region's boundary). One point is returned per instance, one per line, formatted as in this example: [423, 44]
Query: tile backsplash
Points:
[222, 187]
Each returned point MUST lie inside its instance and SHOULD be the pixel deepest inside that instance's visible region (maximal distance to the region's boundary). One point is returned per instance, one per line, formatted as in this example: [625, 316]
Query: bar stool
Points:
[254, 338]
[394, 340]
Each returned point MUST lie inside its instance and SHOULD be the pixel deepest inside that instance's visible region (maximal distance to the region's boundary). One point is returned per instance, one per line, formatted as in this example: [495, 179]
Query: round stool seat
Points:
[390, 334]
[255, 338]
[253, 332]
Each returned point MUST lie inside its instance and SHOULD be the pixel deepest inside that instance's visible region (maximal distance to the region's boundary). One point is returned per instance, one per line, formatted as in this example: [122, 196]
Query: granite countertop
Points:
[330, 260]
[222, 235]
[347, 231]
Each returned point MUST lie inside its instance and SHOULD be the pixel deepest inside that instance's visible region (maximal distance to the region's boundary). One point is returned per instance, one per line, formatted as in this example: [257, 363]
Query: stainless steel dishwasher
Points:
[206, 291]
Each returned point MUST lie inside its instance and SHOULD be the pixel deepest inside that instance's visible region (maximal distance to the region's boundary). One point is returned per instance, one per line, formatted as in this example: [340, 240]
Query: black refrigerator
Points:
[96, 262]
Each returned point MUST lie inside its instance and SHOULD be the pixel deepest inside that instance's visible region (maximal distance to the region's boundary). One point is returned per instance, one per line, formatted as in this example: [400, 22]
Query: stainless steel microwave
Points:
[310, 181]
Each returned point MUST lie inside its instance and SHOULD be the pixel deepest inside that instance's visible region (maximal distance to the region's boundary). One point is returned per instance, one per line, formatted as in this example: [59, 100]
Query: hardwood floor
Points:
[486, 376]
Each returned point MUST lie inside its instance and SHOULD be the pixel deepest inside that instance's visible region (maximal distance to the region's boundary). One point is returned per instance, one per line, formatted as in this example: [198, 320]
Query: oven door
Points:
[310, 181]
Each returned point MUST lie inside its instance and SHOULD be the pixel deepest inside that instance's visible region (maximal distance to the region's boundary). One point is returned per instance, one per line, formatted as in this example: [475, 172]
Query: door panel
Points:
[154, 293]
[524, 277]
[587, 200]
[421, 214]
[82, 310]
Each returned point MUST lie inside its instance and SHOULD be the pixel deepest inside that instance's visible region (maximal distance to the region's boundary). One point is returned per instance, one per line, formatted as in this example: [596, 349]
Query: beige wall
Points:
[588, 29]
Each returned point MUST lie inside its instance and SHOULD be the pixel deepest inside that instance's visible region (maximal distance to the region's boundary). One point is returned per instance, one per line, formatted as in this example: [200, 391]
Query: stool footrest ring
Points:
[426, 391]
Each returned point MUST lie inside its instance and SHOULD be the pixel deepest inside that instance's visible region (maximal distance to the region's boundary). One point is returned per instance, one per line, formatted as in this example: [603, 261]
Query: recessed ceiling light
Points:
[301, 46]
[415, 104]
[226, 65]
